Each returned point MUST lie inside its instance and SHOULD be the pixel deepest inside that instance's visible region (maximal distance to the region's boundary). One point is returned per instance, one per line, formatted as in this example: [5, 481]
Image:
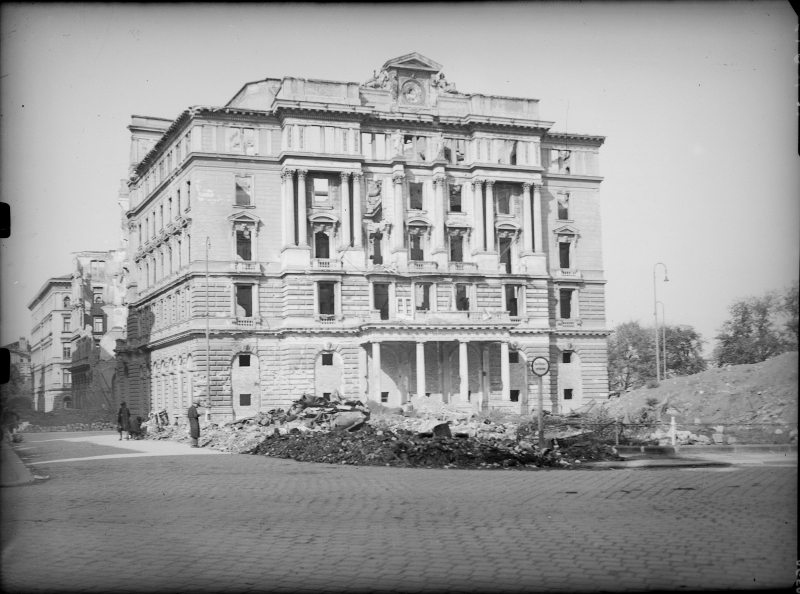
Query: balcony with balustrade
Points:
[470, 267]
[567, 274]
[422, 265]
[326, 264]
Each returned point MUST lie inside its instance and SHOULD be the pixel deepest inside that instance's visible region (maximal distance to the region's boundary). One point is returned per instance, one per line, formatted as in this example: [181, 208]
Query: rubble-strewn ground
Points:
[73, 419]
[751, 403]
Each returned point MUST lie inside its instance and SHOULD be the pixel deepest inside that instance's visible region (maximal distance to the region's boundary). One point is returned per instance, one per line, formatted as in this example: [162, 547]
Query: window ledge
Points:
[244, 205]
[565, 220]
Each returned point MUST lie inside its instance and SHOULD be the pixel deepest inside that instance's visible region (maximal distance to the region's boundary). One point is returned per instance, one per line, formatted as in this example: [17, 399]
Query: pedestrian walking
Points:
[136, 427]
[194, 423]
[124, 420]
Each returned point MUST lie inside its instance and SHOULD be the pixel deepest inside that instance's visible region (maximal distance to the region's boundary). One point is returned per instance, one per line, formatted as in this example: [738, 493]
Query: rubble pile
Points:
[67, 419]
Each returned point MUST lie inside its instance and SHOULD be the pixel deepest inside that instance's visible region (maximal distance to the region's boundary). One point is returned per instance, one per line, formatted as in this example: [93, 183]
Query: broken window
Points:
[512, 294]
[98, 268]
[408, 146]
[321, 191]
[512, 157]
[249, 139]
[244, 301]
[327, 299]
[514, 394]
[97, 295]
[375, 245]
[321, 245]
[456, 248]
[504, 247]
[513, 357]
[415, 248]
[67, 302]
[415, 195]
[565, 302]
[422, 296]
[244, 190]
[327, 358]
[244, 399]
[566, 357]
[563, 255]
[563, 207]
[455, 198]
[381, 299]
[567, 393]
[462, 297]
[244, 244]
[244, 360]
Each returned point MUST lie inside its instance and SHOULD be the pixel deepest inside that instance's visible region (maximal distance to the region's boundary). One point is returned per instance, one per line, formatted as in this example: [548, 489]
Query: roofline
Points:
[67, 279]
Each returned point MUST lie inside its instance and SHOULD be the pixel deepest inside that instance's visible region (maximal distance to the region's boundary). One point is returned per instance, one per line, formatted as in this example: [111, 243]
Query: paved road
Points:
[161, 522]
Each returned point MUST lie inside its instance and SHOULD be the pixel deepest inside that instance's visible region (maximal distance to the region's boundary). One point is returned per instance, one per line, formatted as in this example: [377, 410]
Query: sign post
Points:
[540, 366]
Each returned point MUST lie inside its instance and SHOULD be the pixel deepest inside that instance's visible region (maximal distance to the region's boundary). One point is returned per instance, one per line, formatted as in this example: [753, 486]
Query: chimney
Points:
[23, 344]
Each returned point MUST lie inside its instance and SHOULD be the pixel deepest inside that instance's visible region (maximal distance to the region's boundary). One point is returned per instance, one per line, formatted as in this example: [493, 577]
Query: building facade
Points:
[98, 319]
[392, 239]
[51, 348]
[19, 385]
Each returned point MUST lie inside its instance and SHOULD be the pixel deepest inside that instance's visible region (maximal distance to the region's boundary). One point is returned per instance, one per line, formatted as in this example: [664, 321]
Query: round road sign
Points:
[540, 366]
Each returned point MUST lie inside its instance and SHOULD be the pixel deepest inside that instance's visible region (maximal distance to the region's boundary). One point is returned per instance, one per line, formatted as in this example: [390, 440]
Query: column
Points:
[287, 196]
[376, 371]
[398, 209]
[527, 223]
[420, 369]
[478, 210]
[302, 214]
[392, 300]
[463, 370]
[345, 211]
[357, 227]
[505, 375]
[537, 218]
[490, 215]
[438, 214]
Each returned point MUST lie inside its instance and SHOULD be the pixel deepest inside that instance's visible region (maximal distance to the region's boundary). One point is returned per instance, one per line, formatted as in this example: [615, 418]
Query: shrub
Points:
[652, 384]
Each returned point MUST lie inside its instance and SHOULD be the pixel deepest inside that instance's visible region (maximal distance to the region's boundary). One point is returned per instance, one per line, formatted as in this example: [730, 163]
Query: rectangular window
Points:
[455, 198]
[415, 248]
[504, 249]
[513, 357]
[565, 303]
[423, 296]
[67, 324]
[244, 190]
[244, 399]
[67, 376]
[321, 191]
[375, 244]
[567, 393]
[244, 301]
[322, 245]
[415, 196]
[249, 140]
[456, 248]
[66, 350]
[563, 207]
[384, 397]
[503, 192]
[327, 298]
[563, 255]
[462, 297]
[327, 358]
[97, 294]
[380, 292]
[169, 209]
[243, 244]
[514, 395]
[244, 360]
[178, 201]
[512, 299]
[98, 324]
[98, 268]
[566, 357]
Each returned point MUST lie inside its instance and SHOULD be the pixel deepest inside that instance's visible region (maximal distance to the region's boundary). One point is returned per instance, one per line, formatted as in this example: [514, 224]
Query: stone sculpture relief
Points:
[439, 82]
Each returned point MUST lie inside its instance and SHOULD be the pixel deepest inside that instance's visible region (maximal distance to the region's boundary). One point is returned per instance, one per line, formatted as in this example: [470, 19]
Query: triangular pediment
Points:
[566, 229]
[413, 61]
[244, 217]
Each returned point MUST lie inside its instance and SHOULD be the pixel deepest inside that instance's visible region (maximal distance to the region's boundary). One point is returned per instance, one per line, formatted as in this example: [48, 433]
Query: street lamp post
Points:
[663, 336]
[208, 342]
[655, 313]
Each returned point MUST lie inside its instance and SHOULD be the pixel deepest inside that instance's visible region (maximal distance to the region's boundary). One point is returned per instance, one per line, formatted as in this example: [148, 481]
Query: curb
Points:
[665, 463]
[706, 449]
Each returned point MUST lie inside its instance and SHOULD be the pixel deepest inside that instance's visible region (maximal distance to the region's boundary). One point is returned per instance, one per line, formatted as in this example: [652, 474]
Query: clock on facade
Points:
[412, 92]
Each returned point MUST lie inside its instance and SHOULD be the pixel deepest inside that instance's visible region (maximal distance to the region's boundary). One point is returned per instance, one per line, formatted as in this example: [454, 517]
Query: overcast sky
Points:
[697, 101]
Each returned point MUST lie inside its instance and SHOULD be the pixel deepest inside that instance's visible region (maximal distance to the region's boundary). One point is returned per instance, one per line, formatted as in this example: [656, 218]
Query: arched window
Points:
[67, 402]
[67, 302]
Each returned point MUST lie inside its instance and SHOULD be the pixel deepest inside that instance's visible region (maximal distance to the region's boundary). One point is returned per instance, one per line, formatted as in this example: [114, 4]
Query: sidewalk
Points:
[13, 472]
[624, 450]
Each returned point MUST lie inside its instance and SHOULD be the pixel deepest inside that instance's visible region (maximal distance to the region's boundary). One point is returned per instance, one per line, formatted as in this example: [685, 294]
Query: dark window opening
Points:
[67, 302]
[514, 395]
[244, 399]
[244, 301]
[565, 299]
[512, 303]
[563, 255]
[415, 196]
[416, 252]
[513, 157]
[322, 245]
[381, 296]
[462, 297]
[503, 199]
[567, 393]
[469, 395]
[423, 301]
[327, 299]
[456, 248]
[408, 145]
[244, 360]
[67, 402]
[563, 209]
[566, 357]
[513, 357]
[327, 359]
[455, 198]
[375, 240]
[243, 247]
[504, 247]
[326, 395]
[384, 396]
[428, 394]
[448, 155]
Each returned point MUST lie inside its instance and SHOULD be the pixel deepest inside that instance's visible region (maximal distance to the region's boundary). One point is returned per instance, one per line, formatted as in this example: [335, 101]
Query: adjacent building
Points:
[391, 240]
[20, 384]
[51, 349]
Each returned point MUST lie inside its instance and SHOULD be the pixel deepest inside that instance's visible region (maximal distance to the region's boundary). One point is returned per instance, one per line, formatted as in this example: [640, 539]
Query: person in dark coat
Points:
[124, 420]
[136, 427]
[194, 423]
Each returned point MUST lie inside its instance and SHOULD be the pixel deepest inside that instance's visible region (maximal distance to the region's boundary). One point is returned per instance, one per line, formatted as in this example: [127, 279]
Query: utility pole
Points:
[655, 314]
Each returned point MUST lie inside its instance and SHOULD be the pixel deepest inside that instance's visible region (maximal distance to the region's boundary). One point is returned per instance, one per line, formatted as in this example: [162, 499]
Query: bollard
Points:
[672, 430]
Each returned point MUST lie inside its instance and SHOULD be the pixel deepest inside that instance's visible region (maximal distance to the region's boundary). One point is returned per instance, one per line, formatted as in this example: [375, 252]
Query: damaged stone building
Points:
[394, 239]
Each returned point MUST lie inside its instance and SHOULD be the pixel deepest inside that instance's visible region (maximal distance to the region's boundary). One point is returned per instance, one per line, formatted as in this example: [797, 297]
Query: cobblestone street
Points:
[229, 523]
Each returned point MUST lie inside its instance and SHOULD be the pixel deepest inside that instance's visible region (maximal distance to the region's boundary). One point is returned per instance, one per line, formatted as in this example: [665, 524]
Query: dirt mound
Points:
[759, 394]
